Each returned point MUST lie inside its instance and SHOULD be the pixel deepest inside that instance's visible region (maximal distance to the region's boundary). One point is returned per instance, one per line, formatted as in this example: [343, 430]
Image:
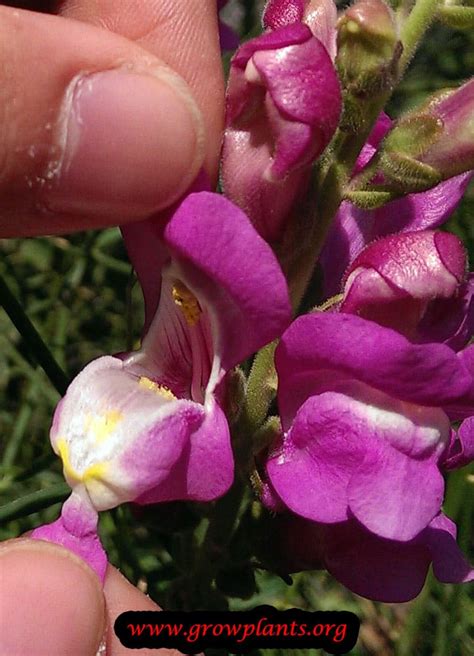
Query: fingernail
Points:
[131, 144]
[51, 602]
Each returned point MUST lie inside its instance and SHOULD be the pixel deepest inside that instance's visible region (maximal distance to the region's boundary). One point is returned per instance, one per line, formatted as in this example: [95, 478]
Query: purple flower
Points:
[283, 106]
[354, 228]
[148, 426]
[376, 568]
[414, 282]
[364, 415]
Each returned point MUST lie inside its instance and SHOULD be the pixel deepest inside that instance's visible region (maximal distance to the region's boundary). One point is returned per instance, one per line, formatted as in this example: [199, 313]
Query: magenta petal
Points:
[323, 449]
[354, 228]
[149, 460]
[382, 570]
[205, 469]
[393, 495]
[449, 564]
[278, 13]
[320, 351]
[234, 270]
[76, 530]
[293, 34]
[461, 449]
[302, 82]
[450, 321]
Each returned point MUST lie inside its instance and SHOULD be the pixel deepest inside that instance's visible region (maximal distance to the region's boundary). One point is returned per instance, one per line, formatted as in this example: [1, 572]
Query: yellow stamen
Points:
[161, 390]
[187, 302]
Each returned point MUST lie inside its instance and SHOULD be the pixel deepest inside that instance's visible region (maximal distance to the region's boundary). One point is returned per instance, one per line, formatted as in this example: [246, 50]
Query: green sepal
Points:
[404, 174]
[370, 200]
[413, 135]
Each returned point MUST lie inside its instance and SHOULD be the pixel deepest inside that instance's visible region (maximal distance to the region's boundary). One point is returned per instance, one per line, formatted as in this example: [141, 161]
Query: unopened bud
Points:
[368, 47]
[432, 143]
[283, 107]
[414, 283]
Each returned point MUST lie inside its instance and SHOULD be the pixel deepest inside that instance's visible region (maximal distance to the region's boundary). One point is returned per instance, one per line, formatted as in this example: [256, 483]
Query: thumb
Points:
[121, 596]
[95, 130]
[51, 603]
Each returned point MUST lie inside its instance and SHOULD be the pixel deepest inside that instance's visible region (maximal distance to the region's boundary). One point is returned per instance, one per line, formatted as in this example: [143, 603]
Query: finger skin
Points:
[52, 603]
[38, 95]
[184, 34]
[121, 596]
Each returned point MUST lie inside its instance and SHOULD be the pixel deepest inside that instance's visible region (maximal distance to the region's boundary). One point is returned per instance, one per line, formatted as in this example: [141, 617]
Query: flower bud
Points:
[414, 283]
[368, 49]
[319, 15]
[432, 143]
[283, 106]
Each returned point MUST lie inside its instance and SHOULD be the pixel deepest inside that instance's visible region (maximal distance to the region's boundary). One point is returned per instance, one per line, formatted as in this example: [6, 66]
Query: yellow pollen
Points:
[102, 426]
[187, 302]
[161, 390]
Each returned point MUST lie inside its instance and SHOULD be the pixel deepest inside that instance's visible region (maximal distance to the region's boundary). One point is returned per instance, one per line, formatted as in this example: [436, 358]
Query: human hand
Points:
[52, 603]
[108, 111]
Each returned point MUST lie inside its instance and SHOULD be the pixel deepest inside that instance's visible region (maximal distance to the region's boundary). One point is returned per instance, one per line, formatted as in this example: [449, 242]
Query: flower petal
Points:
[461, 449]
[312, 469]
[205, 469]
[233, 272]
[449, 564]
[76, 530]
[382, 570]
[395, 496]
[120, 433]
[320, 351]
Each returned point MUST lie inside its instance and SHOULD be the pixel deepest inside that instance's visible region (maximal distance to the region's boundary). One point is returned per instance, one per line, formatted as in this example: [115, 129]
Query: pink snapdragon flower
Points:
[365, 420]
[148, 426]
[416, 283]
[283, 107]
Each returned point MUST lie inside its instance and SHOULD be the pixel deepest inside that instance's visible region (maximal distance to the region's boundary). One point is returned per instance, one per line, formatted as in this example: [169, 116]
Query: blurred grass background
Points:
[81, 295]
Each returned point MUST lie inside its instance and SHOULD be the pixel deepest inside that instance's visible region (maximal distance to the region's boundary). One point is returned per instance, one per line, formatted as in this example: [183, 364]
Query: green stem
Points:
[32, 339]
[34, 502]
[418, 21]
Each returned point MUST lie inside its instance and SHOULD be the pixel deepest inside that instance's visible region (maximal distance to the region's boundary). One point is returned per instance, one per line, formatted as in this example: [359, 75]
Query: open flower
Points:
[416, 283]
[148, 426]
[365, 419]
